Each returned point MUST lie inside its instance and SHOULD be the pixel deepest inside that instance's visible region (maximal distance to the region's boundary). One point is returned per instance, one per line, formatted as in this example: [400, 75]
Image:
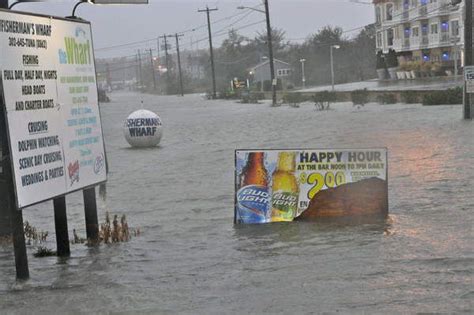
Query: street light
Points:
[332, 65]
[270, 47]
[303, 79]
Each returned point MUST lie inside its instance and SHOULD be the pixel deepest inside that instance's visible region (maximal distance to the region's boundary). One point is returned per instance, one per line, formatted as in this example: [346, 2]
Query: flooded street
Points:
[191, 259]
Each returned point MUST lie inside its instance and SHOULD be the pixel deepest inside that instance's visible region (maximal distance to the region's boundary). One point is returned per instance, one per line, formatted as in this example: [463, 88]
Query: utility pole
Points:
[140, 68]
[108, 77]
[137, 72]
[207, 10]
[468, 55]
[152, 66]
[179, 63]
[270, 54]
[167, 65]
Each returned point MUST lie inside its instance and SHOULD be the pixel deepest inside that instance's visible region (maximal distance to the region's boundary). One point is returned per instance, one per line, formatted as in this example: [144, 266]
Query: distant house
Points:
[261, 72]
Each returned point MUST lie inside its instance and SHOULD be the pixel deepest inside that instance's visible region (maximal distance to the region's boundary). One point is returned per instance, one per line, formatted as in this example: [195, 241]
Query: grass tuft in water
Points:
[44, 252]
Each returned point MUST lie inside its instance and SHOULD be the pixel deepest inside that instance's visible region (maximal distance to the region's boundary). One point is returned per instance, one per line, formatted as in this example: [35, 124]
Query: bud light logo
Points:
[252, 204]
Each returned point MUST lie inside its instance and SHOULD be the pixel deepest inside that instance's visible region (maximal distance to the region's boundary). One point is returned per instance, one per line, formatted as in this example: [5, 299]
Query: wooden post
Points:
[60, 223]
[90, 208]
[16, 216]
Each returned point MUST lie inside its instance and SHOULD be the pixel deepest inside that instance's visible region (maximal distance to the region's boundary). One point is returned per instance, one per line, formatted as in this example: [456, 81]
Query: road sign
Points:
[469, 78]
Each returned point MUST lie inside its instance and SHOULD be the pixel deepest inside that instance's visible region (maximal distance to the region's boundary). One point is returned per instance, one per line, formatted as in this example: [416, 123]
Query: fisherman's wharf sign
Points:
[49, 89]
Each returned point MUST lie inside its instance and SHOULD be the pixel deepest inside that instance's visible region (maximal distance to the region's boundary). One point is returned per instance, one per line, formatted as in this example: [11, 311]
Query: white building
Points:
[420, 30]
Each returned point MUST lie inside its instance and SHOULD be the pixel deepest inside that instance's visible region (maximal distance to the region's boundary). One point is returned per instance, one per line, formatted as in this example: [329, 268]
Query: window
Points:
[406, 4]
[444, 26]
[434, 28]
[423, 2]
[379, 39]
[390, 37]
[378, 16]
[445, 56]
[426, 57]
[424, 29]
[455, 28]
[389, 9]
[283, 72]
[415, 32]
[407, 32]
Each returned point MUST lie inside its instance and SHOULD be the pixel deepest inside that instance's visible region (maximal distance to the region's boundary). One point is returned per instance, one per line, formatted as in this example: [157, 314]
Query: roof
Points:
[268, 61]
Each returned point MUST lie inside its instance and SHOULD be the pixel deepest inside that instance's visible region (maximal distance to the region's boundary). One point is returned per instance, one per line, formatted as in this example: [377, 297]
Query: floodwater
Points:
[191, 259]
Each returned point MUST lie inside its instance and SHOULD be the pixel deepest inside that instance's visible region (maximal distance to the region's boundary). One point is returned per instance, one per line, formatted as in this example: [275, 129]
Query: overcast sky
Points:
[116, 25]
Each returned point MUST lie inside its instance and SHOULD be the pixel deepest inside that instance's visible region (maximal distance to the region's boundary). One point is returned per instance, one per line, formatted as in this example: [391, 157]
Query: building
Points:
[421, 30]
[261, 72]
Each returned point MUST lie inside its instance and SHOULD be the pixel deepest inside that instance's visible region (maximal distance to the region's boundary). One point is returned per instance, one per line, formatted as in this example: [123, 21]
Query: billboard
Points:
[284, 185]
[50, 94]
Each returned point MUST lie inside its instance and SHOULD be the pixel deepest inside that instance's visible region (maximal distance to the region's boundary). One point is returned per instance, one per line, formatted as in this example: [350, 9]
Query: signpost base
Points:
[60, 222]
[90, 208]
[5, 225]
[19, 246]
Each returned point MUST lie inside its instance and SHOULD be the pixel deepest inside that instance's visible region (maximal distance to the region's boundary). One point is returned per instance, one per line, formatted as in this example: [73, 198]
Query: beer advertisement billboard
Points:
[287, 185]
[50, 97]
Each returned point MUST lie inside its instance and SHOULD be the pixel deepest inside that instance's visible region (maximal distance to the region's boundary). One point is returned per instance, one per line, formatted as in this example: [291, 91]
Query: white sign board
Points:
[50, 95]
[469, 78]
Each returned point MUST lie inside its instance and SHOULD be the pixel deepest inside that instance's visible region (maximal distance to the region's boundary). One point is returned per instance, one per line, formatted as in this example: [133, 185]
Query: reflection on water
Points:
[191, 259]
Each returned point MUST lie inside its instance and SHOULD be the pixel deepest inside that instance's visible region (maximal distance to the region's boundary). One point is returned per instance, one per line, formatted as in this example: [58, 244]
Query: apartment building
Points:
[421, 30]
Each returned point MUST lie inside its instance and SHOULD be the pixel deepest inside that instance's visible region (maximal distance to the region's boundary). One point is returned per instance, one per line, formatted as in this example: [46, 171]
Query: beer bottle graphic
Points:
[253, 196]
[285, 189]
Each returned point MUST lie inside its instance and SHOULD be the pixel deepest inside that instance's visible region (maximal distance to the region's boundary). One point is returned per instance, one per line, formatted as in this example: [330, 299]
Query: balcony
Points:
[425, 41]
[405, 16]
[444, 38]
[406, 44]
[423, 11]
[433, 38]
[444, 6]
[414, 42]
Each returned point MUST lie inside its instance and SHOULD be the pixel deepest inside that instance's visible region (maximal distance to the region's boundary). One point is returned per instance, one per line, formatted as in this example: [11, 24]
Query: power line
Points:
[182, 32]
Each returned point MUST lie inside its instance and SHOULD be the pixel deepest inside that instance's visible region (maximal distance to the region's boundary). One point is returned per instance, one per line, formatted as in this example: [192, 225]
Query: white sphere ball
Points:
[143, 128]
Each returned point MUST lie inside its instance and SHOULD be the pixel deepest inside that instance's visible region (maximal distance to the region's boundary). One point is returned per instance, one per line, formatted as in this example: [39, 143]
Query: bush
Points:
[360, 97]
[257, 95]
[391, 59]
[227, 95]
[322, 100]
[293, 99]
[387, 98]
[448, 97]
[410, 97]
[251, 97]
[380, 61]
